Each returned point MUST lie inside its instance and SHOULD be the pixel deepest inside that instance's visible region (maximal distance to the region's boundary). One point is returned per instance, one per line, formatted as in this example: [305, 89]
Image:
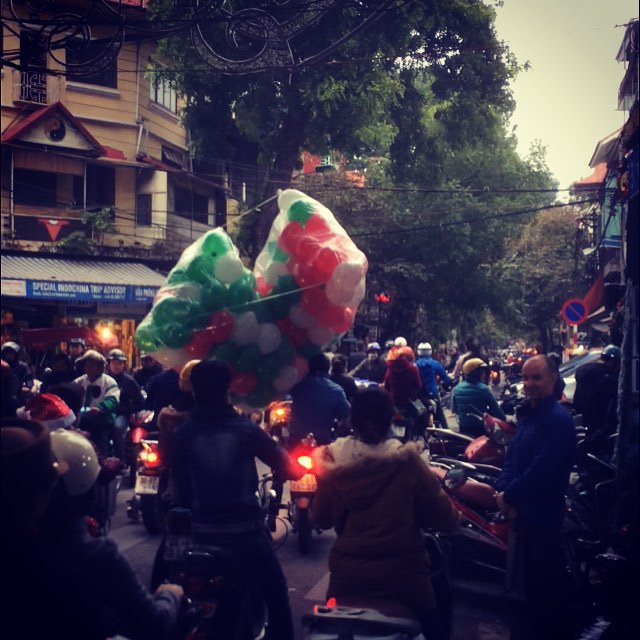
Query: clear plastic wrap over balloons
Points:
[299, 300]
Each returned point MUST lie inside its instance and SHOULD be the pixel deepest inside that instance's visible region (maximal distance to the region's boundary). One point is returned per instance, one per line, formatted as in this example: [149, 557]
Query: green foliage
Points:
[76, 243]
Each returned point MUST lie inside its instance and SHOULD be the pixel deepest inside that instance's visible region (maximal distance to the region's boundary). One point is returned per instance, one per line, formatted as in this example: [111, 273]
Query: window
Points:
[143, 209]
[191, 205]
[33, 83]
[87, 64]
[35, 187]
[163, 93]
[101, 187]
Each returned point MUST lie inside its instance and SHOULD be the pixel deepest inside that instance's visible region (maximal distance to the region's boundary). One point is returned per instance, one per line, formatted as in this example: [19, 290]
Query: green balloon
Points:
[214, 295]
[174, 335]
[279, 255]
[285, 294]
[215, 243]
[285, 353]
[170, 310]
[200, 269]
[241, 291]
[248, 359]
[226, 352]
[301, 210]
[268, 370]
[146, 339]
[177, 276]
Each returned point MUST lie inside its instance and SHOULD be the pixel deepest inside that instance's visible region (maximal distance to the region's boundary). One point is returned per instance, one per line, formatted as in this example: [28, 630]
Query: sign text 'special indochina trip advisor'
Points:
[300, 299]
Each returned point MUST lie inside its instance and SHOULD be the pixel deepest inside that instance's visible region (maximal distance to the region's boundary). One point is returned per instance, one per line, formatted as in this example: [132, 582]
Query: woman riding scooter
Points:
[379, 494]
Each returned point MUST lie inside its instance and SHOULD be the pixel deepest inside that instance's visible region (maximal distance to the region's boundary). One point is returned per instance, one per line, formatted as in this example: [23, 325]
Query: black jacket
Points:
[131, 399]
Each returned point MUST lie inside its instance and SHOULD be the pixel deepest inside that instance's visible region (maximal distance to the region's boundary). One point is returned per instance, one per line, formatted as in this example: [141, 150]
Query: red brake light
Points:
[306, 462]
[137, 434]
[149, 455]
[331, 602]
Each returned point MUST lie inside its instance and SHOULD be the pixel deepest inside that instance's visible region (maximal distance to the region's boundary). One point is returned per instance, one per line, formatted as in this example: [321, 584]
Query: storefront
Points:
[107, 296]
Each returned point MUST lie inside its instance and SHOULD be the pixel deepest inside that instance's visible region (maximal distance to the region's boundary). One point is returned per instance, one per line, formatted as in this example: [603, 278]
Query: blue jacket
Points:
[214, 469]
[474, 397]
[429, 368]
[536, 470]
[317, 402]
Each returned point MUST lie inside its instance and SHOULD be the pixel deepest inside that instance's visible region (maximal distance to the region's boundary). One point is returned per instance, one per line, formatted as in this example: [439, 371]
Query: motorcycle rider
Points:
[472, 397]
[131, 398]
[21, 378]
[102, 395]
[62, 370]
[338, 375]
[76, 348]
[215, 476]
[532, 486]
[429, 368]
[317, 403]
[402, 381]
[373, 367]
[474, 350]
[379, 494]
[596, 392]
[149, 368]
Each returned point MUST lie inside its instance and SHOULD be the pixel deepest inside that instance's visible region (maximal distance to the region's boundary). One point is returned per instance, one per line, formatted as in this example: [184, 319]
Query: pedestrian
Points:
[340, 377]
[101, 398]
[215, 476]
[373, 367]
[379, 495]
[472, 398]
[131, 399]
[532, 487]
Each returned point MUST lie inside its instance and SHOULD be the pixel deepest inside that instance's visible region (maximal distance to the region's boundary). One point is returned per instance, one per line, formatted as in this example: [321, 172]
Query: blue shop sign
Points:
[89, 292]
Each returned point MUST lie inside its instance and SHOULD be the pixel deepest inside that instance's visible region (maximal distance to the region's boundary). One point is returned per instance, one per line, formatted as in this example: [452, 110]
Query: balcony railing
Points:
[33, 87]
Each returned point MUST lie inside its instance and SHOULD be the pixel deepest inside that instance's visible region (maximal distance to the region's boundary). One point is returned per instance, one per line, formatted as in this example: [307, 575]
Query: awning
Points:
[76, 280]
[601, 315]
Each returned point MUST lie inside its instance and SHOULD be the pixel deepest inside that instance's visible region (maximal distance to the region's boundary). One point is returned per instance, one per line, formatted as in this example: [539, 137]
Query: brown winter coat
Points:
[378, 503]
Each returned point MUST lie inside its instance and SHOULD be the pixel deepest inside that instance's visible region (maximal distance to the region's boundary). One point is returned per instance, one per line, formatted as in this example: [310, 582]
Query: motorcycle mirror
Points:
[455, 478]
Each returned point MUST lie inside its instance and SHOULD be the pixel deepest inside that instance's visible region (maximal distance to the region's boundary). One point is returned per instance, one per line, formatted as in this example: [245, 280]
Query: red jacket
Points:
[402, 381]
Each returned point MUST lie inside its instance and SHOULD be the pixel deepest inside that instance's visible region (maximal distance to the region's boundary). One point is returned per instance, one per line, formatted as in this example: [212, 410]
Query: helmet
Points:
[424, 348]
[373, 346]
[406, 352]
[78, 454]
[79, 341]
[117, 354]
[400, 342]
[94, 355]
[11, 346]
[472, 364]
[185, 375]
[611, 352]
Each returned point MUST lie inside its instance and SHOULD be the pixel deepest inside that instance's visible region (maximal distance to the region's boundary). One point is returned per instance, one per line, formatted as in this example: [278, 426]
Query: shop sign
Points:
[16, 288]
[87, 292]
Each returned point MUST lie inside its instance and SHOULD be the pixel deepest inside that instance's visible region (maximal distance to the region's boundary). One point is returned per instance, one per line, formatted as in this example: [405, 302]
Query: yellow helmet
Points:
[185, 375]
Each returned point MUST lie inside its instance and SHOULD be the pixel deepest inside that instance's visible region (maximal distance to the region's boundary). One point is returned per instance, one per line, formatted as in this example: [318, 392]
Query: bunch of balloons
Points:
[299, 300]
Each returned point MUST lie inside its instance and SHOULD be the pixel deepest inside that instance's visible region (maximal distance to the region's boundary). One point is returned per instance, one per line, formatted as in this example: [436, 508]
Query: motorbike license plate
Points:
[398, 430]
[146, 485]
[306, 483]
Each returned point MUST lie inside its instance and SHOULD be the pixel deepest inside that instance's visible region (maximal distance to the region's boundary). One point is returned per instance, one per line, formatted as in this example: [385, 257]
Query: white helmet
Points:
[400, 342]
[424, 349]
[79, 455]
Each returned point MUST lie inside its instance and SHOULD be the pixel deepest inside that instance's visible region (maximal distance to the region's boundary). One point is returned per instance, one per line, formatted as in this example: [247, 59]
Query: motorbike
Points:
[151, 482]
[368, 619]
[276, 422]
[139, 425]
[490, 448]
[302, 493]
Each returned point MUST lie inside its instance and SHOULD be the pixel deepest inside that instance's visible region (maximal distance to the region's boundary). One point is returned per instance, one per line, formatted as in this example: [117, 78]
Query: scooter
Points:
[151, 482]
[302, 493]
[490, 448]
[276, 423]
[368, 619]
[139, 425]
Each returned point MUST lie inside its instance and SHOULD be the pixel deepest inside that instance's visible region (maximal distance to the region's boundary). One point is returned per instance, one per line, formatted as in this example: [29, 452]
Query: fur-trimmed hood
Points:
[360, 471]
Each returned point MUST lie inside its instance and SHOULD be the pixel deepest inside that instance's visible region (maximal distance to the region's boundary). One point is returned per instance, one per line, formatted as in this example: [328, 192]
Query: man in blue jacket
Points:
[532, 486]
[429, 368]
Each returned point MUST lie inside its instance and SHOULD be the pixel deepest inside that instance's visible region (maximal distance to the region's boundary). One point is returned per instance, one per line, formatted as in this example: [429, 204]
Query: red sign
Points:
[574, 311]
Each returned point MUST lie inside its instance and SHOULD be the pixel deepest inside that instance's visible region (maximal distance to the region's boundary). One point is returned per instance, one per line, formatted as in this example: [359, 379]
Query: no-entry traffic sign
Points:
[574, 311]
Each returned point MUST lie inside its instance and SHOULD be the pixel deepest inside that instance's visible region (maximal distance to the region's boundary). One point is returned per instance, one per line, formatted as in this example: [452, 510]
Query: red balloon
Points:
[243, 384]
[297, 335]
[330, 314]
[318, 227]
[327, 260]
[308, 248]
[306, 275]
[345, 323]
[262, 286]
[290, 237]
[313, 301]
[220, 326]
[200, 344]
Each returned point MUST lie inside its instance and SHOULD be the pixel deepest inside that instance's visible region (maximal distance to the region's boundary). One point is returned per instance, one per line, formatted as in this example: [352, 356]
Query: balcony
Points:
[32, 87]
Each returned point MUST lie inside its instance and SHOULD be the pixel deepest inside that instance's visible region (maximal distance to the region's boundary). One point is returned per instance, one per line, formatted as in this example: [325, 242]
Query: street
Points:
[482, 610]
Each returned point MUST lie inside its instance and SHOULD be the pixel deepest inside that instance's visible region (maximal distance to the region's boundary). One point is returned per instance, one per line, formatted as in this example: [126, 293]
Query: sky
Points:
[568, 98]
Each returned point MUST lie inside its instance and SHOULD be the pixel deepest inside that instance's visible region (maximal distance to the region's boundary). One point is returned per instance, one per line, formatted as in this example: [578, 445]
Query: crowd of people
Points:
[377, 492]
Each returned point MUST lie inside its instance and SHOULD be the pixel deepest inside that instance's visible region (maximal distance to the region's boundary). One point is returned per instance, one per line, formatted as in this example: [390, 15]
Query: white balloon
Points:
[301, 318]
[228, 268]
[269, 337]
[348, 274]
[172, 358]
[339, 293]
[288, 197]
[245, 328]
[274, 271]
[320, 335]
[358, 295]
[286, 378]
